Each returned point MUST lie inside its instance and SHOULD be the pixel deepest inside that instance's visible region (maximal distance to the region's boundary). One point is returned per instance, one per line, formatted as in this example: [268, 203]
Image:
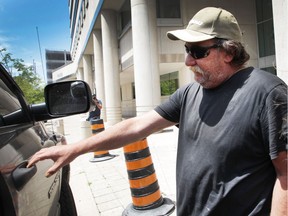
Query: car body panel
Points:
[45, 190]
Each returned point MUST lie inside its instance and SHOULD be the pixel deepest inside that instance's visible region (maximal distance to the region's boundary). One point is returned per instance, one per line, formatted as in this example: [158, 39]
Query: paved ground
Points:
[102, 188]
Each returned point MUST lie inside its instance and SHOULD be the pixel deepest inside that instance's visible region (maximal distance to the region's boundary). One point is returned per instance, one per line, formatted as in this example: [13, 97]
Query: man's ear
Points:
[228, 58]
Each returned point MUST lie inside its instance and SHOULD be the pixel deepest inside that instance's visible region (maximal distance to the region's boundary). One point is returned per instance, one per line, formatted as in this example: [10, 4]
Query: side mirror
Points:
[67, 98]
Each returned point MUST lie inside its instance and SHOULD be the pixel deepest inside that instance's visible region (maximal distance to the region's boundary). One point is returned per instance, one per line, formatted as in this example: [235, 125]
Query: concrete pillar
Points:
[87, 69]
[111, 67]
[80, 74]
[59, 125]
[85, 130]
[145, 48]
[280, 17]
[98, 71]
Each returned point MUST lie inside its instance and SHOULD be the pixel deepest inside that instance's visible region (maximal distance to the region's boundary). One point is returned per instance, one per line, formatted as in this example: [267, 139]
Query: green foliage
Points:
[169, 83]
[28, 81]
[168, 87]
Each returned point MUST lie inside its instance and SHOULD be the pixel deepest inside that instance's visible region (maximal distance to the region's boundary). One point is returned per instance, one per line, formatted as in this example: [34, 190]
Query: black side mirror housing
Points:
[67, 98]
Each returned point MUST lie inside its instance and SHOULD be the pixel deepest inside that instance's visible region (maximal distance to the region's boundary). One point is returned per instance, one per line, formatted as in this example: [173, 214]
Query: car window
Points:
[9, 102]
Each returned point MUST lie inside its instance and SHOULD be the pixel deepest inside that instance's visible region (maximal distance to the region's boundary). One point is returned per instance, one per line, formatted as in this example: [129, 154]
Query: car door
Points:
[23, 191]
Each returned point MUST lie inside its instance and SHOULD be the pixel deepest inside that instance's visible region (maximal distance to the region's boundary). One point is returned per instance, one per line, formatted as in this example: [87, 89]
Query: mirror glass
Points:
[67, 98]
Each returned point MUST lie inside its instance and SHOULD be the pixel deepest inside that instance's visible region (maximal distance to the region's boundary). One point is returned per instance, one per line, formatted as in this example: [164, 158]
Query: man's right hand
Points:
[61, 155]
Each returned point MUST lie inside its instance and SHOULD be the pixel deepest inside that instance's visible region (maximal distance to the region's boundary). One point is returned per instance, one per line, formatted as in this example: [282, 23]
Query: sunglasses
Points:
[198, 52]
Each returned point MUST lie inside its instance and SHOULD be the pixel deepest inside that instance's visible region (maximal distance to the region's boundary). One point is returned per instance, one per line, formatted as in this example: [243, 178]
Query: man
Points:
[232, 152]
[96, 112]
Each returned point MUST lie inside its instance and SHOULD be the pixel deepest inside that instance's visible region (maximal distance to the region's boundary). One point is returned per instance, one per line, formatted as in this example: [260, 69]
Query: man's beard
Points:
[197, 70]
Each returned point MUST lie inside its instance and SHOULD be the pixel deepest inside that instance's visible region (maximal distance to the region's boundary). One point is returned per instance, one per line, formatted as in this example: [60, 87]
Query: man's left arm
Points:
[279, 198]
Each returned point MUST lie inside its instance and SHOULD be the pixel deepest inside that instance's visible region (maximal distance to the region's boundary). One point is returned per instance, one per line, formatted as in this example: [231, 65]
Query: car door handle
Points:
[21, 174]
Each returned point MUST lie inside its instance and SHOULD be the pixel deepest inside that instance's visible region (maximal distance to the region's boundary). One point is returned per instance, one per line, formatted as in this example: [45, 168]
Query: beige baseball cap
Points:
[208, 23]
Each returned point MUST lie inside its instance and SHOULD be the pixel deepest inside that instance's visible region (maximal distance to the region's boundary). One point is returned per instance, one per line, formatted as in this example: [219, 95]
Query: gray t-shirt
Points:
[227, 138]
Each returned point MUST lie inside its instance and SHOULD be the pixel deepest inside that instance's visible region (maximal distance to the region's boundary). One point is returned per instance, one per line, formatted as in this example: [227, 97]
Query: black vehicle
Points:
[26, 191]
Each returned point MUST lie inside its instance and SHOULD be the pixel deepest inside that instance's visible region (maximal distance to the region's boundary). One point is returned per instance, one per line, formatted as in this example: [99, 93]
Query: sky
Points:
[28, 27]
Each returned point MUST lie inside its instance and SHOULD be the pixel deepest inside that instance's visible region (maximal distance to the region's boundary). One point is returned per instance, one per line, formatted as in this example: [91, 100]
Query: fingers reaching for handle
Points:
[61, 155]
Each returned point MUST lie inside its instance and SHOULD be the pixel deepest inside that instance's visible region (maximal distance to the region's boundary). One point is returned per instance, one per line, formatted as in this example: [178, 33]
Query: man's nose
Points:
[190, 61]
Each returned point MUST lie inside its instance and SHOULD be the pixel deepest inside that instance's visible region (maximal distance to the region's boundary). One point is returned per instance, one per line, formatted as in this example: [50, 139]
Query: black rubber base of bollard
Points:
[165, 209]
[102, 158]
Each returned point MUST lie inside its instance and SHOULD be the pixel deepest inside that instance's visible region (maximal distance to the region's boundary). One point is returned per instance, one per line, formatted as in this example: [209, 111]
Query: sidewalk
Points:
[102, 188]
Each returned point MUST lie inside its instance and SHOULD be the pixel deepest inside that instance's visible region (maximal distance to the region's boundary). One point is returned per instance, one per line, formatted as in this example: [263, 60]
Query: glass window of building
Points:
[86, 3]
[133, 91]
[125, 14]
[169, 83]
[265, 28]
[83, 10]
[168, 9]
[266, 40]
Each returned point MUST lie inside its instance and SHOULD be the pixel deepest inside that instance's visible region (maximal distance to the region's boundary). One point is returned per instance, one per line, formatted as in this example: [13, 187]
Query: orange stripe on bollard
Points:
[143, 182]
[138, 164]
[147, 200]
[97, 126]
[100, 153]
[135, 146]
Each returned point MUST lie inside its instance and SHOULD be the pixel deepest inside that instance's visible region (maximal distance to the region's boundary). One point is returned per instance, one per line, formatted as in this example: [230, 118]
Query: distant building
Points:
[54, 60]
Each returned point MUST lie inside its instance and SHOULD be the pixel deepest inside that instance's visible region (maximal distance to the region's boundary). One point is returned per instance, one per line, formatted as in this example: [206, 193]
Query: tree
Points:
[27, 80]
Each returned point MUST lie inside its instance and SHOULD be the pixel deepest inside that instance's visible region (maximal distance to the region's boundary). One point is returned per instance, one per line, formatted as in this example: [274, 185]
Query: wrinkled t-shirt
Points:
[227, 138]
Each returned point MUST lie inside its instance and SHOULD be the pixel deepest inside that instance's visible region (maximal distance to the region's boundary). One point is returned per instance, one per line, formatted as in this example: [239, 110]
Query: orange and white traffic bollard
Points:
[97, 125]
[145, 191]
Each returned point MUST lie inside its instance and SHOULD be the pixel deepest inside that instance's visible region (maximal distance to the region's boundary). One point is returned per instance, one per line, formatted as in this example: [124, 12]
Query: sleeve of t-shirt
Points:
[171, 108]
[274, 120]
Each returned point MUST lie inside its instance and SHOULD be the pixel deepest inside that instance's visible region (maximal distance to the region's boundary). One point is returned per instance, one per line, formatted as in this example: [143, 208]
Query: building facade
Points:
[54, 60]
[121, 50]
